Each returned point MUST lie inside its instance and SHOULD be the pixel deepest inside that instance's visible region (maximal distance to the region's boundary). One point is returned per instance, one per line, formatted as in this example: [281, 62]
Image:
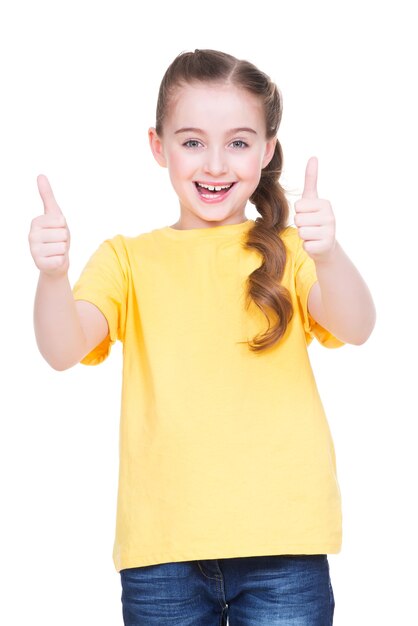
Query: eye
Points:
[190, 141]
[195, 141]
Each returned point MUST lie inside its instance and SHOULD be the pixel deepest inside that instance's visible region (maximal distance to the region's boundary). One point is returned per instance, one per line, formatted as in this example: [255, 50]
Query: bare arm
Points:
[341, 301]
[65, 329]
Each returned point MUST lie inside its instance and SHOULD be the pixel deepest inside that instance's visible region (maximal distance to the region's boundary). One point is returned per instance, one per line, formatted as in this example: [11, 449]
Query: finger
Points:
[54, 249]
[311, 179]
[50, 204]
[54, 235]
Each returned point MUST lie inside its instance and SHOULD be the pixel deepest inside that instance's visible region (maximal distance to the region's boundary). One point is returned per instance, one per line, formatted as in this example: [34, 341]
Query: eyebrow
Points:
[202, 132]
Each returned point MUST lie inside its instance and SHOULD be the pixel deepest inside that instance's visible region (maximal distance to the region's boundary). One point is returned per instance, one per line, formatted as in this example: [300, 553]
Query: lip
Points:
[203, 182]
[220, 196]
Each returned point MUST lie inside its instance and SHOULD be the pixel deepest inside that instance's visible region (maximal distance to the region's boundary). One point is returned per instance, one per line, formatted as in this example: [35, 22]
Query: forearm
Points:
[346, 300]
[58, 330]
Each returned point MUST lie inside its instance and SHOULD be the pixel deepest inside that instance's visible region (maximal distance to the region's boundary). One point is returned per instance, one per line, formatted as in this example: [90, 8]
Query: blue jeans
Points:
[278, 590]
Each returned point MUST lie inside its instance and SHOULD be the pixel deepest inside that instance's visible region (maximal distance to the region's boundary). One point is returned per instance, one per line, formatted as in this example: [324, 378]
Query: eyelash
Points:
[195, 140]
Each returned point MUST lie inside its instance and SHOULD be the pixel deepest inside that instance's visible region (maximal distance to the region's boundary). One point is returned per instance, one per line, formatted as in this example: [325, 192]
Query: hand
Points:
[314, 218]
[49, 237]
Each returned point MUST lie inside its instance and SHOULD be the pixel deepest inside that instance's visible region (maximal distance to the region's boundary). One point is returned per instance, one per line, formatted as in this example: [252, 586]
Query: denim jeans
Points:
[278, 590]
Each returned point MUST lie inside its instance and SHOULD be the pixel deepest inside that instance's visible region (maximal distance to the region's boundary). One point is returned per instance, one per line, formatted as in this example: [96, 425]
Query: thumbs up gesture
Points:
[49, 237]
[314, 218]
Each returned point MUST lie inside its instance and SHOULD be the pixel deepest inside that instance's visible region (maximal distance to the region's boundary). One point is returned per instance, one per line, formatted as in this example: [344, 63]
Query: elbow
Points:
[59, 366]
[358, 342]
[367, 331]
[60, 360]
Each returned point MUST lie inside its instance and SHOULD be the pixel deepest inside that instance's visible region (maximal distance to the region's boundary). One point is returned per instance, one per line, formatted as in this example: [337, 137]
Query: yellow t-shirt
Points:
[223, 452]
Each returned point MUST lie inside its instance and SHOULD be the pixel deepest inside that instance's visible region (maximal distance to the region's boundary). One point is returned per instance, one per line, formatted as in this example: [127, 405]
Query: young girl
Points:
[228, 498]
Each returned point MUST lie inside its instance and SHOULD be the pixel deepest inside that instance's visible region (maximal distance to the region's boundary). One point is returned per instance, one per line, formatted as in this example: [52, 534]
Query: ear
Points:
[269, 152]
[157, 147]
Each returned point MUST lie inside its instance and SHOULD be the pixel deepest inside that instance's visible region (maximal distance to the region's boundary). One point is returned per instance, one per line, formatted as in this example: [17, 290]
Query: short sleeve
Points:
[305, 277]
[103, 282]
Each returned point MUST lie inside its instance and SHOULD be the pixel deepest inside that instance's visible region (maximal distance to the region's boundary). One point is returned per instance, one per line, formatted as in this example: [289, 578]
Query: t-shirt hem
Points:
[143, 560]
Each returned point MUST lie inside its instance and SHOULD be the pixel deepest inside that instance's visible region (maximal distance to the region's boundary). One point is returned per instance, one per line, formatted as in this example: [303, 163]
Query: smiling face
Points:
[226, 145]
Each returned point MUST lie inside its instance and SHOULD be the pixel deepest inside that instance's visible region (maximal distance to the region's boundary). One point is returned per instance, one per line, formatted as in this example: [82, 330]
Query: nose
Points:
[215, 162]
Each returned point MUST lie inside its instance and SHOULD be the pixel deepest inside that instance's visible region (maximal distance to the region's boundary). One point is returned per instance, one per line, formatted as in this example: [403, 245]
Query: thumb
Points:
[50, 204]
[311, 179]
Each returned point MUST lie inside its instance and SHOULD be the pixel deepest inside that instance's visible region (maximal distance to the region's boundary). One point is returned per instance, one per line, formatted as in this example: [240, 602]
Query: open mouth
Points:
[209, 195]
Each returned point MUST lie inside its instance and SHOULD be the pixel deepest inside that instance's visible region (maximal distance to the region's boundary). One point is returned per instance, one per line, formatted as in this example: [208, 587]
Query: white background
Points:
[79, 84]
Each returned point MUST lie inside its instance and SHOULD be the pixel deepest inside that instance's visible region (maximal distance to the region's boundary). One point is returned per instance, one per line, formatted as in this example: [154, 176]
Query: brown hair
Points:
[263, 284]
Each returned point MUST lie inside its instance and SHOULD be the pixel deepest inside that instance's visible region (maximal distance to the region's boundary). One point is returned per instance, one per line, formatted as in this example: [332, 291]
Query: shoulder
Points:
[122, 245]
[127, 251]
[135, 241]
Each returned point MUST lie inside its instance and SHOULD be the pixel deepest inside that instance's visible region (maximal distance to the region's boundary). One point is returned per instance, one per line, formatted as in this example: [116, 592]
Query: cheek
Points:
[179, 170]
[179, 163]
[251, 167]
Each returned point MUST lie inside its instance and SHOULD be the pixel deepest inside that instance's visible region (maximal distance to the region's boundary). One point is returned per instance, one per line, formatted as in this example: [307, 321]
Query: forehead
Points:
[211, 105]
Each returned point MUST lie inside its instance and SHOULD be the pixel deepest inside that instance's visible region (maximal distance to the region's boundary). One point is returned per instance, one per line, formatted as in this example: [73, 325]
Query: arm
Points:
[65, 329]
[340, 301]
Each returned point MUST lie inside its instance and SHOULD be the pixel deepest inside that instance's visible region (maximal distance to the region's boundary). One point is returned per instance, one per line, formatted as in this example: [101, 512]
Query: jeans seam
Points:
[331, 597]
[205, 575]
[219, 589]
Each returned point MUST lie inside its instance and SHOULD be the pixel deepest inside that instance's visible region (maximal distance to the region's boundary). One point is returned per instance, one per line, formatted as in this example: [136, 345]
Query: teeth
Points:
[211, 188]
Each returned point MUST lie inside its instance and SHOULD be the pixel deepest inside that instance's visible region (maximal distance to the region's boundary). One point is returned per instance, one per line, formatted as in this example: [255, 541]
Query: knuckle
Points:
[35, 222]
[33, 238]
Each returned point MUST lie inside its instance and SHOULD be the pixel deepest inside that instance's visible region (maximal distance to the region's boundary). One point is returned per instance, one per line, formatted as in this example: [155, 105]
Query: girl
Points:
[228, 499]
